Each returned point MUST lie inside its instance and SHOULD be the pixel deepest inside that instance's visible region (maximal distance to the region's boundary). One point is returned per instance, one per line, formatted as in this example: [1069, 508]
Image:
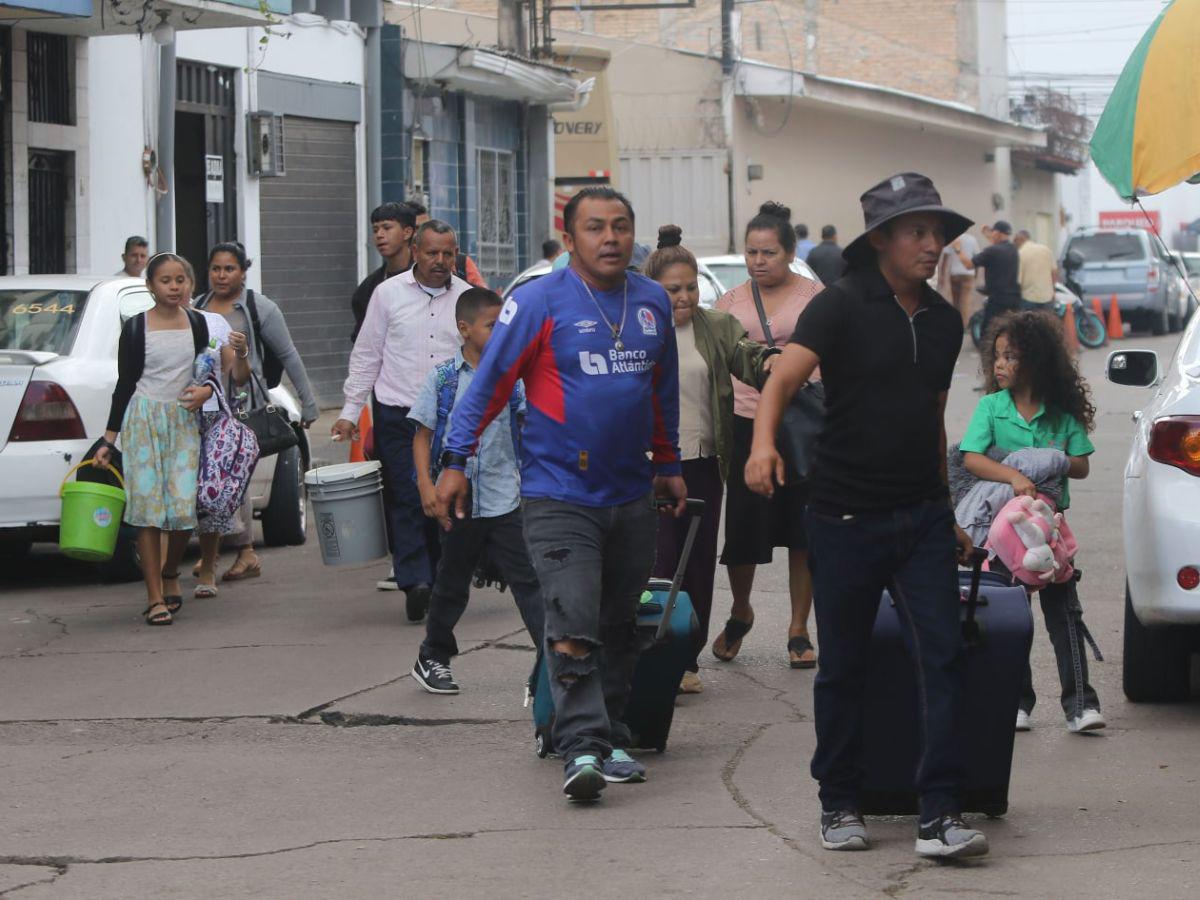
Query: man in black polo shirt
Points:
[1001, 264]
[392, 226]
[879, 513]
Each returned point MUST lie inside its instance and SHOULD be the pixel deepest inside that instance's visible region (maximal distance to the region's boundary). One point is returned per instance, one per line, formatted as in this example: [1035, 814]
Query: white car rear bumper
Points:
[30, 476]
[1162, 535]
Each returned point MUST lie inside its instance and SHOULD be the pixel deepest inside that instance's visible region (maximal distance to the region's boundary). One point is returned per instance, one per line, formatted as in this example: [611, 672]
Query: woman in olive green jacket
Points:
[713, 346]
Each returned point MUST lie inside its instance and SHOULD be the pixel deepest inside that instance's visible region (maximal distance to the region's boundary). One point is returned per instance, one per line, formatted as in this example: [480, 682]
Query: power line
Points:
[1076, 31]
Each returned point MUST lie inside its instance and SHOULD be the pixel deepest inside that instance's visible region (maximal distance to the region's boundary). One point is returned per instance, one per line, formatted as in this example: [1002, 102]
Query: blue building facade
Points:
[466, 154]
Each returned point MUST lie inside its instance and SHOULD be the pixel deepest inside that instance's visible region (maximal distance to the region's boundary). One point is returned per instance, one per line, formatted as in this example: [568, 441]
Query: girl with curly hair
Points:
[1037, 398]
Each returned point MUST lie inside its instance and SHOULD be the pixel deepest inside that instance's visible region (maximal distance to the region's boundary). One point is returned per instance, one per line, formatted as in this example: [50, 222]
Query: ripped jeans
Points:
[593, 564]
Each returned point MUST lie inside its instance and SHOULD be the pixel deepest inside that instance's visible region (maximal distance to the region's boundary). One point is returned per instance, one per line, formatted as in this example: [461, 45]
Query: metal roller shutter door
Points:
[310, 246]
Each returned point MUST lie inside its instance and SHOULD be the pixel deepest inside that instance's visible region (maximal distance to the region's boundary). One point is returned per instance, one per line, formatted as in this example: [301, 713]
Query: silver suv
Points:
[1129, 263]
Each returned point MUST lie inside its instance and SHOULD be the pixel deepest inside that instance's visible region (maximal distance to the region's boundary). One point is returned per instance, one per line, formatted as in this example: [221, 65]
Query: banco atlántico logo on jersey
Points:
[592, 363]
[618, 362]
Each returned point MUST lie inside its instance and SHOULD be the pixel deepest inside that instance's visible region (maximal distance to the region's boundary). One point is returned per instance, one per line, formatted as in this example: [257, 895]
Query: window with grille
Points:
[51, 96]
[50, 202]
[497, 214]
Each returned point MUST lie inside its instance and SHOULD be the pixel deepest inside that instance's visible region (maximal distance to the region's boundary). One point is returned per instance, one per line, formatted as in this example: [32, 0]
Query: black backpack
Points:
[271, 364]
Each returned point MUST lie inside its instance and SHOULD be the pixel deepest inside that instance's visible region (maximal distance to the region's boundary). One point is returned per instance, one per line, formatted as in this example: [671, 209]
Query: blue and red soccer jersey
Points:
[594, 411]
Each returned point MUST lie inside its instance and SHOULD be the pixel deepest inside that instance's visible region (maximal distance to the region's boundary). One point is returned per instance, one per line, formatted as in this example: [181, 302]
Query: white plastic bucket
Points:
[347, 503]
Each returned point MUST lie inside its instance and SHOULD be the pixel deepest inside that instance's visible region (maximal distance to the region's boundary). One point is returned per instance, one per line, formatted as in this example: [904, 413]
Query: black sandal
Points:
[731, 636]
[157, 618]
[173, 602]
[800, 644]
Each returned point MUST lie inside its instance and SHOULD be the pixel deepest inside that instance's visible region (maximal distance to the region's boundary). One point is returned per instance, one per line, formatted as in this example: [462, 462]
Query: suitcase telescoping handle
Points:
[970, 627]
[695, 511]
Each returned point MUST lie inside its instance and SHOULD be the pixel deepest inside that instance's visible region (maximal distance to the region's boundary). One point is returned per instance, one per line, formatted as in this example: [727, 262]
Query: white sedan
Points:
[730, 270]
[58, 368]
[1162, 521]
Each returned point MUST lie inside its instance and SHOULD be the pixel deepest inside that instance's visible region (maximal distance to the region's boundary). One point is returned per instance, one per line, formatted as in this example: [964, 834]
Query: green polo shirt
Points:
[996, 423]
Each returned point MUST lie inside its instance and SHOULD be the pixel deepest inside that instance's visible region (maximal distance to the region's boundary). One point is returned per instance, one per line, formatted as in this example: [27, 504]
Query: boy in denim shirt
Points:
[494, 525]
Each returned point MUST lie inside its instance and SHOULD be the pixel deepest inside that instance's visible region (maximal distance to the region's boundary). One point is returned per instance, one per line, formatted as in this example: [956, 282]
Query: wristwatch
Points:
[452, 460]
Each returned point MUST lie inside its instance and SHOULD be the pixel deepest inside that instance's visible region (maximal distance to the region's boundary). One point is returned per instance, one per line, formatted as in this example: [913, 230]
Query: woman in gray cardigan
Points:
[229, 297]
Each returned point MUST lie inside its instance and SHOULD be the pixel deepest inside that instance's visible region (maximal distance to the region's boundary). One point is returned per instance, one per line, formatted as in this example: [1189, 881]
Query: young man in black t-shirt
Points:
[879, 513]
[1001, 264]
[392, 225]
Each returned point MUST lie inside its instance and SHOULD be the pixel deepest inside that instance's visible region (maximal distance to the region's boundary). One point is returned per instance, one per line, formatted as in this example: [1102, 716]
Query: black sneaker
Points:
[949, 835]
[434, 676]
[416, 601]
[584, 779]
[843, 829]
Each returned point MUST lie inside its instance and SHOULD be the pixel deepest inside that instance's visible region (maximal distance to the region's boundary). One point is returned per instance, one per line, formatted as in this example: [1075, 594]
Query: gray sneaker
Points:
[843, 829]
[949, 836]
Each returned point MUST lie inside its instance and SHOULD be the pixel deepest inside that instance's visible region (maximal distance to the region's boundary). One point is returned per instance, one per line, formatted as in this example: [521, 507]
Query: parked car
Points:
[1131, 264]
[534, 272]
[1162, 521]
[710, 288]
[58, 368]
[730, 270]
[1190, 263]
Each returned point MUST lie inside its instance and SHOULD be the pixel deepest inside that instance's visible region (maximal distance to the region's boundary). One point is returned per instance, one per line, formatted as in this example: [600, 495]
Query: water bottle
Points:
[205, 363]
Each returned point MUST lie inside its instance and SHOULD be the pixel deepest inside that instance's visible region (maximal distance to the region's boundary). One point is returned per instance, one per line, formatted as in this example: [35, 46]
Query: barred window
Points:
[497, 214]
[51, 95]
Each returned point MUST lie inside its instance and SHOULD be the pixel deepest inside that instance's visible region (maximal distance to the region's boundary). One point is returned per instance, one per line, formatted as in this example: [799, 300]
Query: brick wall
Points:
[913, 46]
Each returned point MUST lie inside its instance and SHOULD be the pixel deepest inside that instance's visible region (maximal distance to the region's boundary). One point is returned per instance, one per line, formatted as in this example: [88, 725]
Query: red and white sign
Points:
[1131, 218]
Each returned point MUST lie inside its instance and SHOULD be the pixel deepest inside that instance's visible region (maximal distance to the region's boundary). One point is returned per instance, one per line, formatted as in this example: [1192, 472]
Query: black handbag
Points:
[803, 418]
[269, 423]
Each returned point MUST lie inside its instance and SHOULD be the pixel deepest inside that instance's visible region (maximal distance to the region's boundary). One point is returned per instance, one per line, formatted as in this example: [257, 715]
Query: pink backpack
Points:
[228, 453]
[1033, 541]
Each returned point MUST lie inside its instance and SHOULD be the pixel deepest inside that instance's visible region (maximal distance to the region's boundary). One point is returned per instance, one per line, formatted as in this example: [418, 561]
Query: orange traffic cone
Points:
[1070, 335]
[1098, 308]
[356, 448]
[1116, 330]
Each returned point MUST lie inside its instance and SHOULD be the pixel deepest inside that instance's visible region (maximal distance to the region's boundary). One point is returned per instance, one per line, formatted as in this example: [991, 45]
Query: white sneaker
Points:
[387, 584]
[1088, 720]
[1023, 723]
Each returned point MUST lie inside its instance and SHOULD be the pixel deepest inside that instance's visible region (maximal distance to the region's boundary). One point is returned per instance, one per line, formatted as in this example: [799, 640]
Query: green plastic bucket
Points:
[91, 517]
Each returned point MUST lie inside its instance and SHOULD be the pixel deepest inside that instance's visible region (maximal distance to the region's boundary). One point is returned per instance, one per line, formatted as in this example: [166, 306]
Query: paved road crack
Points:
[56, 621]
[59, 872]
[728, 779]
[780, 694]
[358, 720]
[151, 651]
[61, 863]
[321, 707]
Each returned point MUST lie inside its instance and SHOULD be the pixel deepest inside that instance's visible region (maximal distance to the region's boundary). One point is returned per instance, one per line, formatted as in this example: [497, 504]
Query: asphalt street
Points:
[271, 744]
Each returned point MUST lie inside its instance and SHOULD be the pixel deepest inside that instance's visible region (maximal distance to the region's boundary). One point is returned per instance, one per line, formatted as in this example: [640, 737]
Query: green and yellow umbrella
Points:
[1148, 138]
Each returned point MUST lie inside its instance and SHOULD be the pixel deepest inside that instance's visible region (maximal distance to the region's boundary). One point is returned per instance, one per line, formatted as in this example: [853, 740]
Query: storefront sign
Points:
[1131, 218]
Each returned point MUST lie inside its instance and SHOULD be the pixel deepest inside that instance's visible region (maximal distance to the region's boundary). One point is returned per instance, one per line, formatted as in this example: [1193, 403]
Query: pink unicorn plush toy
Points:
[1033, 541]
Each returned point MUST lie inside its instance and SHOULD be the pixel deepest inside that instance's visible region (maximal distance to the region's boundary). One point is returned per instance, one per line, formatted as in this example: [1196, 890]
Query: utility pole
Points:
[727, 109]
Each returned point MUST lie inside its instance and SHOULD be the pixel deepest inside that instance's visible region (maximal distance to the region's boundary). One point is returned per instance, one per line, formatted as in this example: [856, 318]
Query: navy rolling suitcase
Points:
[667, 627]
[998, 630]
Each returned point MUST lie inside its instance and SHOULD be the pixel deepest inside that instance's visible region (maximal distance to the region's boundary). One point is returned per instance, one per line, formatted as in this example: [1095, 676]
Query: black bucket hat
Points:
[908, 192]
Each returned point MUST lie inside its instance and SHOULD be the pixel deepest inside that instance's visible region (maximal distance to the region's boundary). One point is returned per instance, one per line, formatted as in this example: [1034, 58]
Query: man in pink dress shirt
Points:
[409, 328]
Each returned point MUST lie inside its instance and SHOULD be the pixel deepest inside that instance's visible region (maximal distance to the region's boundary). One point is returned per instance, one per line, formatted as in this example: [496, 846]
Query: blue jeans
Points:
[853, 559]
[414, 538]
[593, 564]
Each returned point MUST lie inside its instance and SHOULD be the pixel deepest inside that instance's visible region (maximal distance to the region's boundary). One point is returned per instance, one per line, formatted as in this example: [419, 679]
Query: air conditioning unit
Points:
[264, 135]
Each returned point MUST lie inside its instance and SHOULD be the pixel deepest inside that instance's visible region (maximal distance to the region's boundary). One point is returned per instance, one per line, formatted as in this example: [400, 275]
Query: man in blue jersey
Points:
[595, 346]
